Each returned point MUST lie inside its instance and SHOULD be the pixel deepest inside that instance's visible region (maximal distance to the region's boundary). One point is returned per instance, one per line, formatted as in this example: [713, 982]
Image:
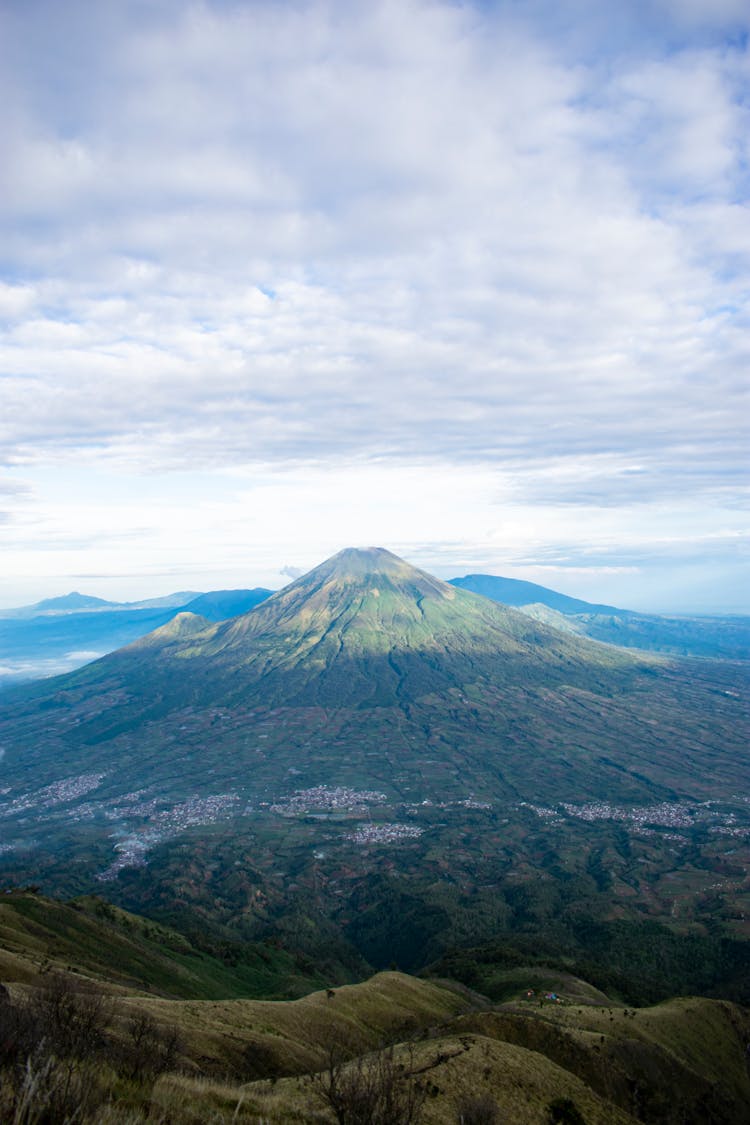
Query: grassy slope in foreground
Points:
[681, 1061]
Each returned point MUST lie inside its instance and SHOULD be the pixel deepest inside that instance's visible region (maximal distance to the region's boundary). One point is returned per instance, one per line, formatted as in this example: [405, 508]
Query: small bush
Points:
[564, 1111]
[71, 1020]
[478, 1109]
[59, 1065]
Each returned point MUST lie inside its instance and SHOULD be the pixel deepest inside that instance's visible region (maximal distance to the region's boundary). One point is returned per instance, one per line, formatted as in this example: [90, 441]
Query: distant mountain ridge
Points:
[218, 605]
[87, 603]
[71, 602]
[59, 634]
[679, 634]
[515, 592]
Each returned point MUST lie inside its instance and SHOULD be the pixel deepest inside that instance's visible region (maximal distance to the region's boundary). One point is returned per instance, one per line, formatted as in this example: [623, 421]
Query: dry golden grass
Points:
[521, 1082]
[616, 1064]
[708, 1036]
[609, 1061]
[294, 1035]
[194, 1102]
[687, 1051]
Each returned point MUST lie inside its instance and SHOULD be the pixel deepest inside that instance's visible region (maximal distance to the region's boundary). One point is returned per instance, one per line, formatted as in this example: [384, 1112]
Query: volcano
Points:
[363, 629]
[369, 669]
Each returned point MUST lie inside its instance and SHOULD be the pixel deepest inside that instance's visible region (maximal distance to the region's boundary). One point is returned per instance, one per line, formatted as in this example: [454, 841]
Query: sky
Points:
[470, 281]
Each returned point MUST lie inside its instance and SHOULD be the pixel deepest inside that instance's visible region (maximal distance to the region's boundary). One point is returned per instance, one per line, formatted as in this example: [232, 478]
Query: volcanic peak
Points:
[363, 560]
[369, 567]
[366, 599]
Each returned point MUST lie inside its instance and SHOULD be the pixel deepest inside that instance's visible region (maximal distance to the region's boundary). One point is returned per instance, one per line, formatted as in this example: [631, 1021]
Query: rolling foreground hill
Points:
[87, 1037]
[375, 766]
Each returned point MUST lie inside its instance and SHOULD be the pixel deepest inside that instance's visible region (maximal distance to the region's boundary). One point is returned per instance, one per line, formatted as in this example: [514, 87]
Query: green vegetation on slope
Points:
[639, 962]
[107, 944]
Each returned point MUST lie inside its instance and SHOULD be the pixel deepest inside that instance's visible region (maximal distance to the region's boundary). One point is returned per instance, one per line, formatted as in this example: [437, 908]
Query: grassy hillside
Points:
[680, 1062]
[39, 935]
[532, 1060]
[277, 1038]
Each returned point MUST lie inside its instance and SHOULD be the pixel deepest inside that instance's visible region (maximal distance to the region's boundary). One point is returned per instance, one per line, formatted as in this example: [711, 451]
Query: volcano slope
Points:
[374, 763]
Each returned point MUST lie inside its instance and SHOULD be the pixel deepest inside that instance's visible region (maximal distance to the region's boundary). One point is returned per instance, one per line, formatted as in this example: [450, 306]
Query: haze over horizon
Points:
[469, 282]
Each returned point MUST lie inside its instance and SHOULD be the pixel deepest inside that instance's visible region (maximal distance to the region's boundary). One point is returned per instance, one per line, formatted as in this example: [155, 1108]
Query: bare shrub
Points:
[259, 1060]
[377, 1090]
[71, 1020]
[149, 1049]
[61, 1018]
[54, 1054]
[19, 1033]
[565, 1112]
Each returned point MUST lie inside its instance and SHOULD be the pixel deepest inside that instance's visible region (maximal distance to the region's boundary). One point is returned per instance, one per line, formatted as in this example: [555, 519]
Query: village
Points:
[194, 812]
[323, 798]
[383, 833]
[140, 821]
[69, 789]
[664, 815]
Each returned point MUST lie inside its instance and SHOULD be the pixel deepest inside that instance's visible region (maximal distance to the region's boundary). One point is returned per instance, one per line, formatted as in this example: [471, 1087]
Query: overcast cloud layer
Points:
[470, 281]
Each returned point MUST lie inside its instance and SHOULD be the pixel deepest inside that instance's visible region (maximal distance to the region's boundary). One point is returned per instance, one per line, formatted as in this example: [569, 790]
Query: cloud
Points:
[19, 671]
[292, 571]
[13, 495]
[511, 238]
[9, 487]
